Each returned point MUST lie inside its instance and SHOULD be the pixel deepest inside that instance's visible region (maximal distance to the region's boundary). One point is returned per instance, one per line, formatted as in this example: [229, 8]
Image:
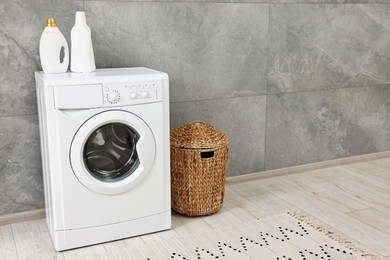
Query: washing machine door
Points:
[112, 152]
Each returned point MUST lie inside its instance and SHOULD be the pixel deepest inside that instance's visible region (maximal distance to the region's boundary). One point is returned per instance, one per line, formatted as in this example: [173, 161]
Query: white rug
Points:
[291, 236]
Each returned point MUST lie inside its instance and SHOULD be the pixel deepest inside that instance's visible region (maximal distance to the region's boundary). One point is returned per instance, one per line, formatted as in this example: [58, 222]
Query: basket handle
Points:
[207, 154]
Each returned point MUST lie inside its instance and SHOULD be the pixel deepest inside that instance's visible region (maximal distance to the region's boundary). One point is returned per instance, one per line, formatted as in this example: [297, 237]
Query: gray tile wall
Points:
[21, 25]
[289, 81]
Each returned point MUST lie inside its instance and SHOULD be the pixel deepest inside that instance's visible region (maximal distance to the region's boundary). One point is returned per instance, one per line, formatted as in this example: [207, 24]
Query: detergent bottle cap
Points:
[51, 22]
[80, 18]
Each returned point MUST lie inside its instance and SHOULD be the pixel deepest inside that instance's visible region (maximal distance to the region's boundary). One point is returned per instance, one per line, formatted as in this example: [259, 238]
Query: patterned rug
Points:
[292, 236]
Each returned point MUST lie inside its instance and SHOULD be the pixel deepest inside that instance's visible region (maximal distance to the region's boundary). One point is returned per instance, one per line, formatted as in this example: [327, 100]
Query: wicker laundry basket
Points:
[199, 156]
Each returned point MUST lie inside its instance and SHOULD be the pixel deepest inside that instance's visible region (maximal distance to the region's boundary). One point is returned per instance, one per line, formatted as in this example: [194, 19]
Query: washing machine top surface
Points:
[100, 76]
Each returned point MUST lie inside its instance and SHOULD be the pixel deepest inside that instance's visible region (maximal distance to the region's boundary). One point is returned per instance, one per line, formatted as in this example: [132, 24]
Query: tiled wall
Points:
[290, 82]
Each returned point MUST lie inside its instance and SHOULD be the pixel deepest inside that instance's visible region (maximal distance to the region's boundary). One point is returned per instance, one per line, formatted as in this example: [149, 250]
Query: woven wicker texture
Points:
[198, 134]
[198, 176]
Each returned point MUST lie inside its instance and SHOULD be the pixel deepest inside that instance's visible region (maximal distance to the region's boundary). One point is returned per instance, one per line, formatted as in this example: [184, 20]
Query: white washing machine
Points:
[105, 154]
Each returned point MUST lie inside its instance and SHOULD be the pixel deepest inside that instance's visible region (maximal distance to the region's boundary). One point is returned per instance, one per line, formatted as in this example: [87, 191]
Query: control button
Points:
[113, 97]
[145, 94]
[133, 95]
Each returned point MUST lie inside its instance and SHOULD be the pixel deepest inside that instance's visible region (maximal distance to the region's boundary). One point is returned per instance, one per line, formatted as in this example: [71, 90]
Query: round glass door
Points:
[110, 152]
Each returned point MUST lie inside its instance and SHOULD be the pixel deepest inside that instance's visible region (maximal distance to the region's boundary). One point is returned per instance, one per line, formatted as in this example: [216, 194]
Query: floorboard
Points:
[7, 243]
[33, 241]
[374, 218]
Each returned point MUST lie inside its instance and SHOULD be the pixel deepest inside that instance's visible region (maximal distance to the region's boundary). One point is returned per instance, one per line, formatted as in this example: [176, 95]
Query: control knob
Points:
[145, 94]
[113, 97]
[133, 95]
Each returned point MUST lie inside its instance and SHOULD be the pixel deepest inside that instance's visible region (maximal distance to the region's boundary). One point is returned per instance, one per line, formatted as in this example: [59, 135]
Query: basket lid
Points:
[198, 134]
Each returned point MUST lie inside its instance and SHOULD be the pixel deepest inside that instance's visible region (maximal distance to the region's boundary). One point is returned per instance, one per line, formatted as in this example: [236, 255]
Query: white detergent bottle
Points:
[53, 47]
[82, 58]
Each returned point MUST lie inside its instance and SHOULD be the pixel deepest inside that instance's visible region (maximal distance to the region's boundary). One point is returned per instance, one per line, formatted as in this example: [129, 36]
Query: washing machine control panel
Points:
[131, 93]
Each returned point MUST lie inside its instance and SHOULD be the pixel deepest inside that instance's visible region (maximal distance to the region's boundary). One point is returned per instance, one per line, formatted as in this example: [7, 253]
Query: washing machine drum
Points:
[112, 152]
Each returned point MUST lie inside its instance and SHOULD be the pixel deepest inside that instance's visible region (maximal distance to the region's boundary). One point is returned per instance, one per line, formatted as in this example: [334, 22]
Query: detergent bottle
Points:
[53, 49]
[83, 59]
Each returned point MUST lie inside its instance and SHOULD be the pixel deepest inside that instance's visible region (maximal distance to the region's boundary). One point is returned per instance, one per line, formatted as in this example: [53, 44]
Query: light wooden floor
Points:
[353, 199]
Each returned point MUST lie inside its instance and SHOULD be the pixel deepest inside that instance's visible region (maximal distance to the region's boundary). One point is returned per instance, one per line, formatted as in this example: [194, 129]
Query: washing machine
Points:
[105, 154]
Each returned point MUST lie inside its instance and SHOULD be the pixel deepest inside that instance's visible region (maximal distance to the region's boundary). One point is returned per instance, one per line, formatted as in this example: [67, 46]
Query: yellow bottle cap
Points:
[51, 22]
